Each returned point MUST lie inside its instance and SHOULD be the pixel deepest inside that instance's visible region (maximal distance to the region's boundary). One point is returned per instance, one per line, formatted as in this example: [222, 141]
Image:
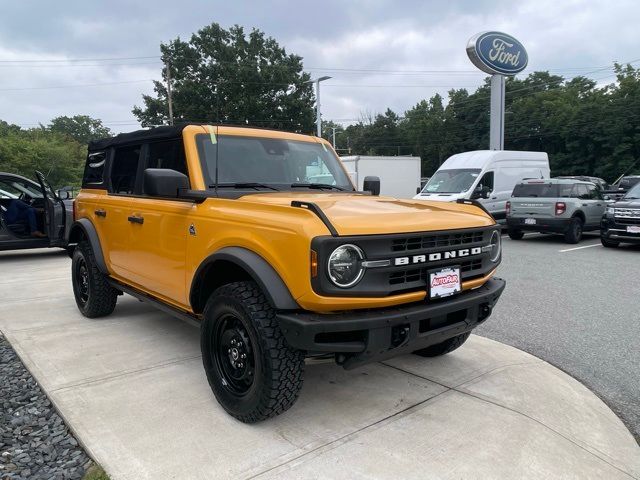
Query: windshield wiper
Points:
[317, 186]
[257, 186]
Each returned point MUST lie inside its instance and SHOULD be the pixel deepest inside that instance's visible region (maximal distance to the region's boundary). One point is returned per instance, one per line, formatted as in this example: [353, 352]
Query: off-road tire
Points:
[101, 297]
[443, 348]
[277, 368]
[515, 234]
[609, 243]
[574, 231]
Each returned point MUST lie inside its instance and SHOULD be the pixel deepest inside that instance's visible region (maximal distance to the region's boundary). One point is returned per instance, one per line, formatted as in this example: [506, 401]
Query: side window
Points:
[168, 154]
[124, 169]
[594, 192]
[94, 169]
[487, 180]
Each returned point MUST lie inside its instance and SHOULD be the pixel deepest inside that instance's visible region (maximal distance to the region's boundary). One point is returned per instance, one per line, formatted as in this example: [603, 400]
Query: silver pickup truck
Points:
[567, 207]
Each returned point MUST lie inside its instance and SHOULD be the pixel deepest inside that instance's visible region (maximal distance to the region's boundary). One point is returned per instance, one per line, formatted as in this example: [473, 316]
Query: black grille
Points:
[421, 274]
[434, 241]
[627, 221]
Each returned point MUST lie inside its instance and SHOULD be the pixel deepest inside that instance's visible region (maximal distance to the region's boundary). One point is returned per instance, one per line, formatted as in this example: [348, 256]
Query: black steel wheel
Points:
[94, 295]
[252, 371]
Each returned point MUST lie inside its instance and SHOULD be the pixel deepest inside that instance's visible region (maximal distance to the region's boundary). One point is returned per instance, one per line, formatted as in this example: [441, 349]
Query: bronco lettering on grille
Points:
[436, 257]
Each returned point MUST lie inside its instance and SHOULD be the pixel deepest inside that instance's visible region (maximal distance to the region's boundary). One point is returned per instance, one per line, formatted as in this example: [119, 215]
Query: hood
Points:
[635, 203]
[367, 215]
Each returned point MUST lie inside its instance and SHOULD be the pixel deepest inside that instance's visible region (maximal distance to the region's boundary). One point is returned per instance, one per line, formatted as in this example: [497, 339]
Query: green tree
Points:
[81, 128]
[227, 76]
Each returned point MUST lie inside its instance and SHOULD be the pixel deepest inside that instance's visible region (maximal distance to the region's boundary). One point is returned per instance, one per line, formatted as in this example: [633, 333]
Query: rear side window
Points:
[124, 169]
[94, 170]
[542, 190]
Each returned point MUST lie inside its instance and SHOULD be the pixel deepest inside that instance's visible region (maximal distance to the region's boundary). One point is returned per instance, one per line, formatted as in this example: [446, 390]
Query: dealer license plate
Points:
[633, 229]
[444, 282]
[530, 221]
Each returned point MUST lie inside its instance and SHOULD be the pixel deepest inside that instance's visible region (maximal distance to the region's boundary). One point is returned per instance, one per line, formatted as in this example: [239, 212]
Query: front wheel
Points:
[574, 232]
[443, 348]
[251, 369]
[609, 243]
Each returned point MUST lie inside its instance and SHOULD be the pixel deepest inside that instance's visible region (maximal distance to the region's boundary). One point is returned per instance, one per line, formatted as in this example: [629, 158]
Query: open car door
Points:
[54, 212]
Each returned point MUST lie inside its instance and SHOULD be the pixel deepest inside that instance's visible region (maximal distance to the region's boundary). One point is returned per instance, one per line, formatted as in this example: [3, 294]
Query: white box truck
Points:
[484, 175]
[399, 176]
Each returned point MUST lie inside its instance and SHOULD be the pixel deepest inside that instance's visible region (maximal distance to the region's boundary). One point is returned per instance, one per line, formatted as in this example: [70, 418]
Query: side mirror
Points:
[372, 184]
[64, 194]
[606, 198]
[418, 190]
[163, 182]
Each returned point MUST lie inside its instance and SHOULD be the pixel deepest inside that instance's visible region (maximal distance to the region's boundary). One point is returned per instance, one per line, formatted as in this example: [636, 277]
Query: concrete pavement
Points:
[132, 388]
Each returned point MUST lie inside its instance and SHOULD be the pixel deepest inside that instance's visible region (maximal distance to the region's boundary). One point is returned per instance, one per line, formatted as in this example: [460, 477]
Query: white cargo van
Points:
[484, 175]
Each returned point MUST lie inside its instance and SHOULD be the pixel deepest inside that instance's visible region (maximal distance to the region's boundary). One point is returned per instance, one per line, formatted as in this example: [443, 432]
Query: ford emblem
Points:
[497, 52]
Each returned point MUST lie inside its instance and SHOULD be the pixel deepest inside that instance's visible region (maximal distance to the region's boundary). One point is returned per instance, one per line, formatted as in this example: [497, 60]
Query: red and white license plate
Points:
[633, 229]
[444, 282]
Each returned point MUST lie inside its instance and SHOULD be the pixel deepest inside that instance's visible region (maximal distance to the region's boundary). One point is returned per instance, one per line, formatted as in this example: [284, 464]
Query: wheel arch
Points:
[83, 229]
[232, 264]
[580, 214]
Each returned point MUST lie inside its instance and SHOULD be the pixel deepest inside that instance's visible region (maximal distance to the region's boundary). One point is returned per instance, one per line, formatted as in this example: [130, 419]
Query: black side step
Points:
[144, 297]
[318, 211]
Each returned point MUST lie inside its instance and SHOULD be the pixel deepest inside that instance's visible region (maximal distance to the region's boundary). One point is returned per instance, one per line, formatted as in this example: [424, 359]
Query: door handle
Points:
[101, 213]
[494, 198]
[134, 219]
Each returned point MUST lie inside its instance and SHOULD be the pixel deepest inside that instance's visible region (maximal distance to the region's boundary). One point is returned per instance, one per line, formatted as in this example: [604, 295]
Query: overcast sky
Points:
[567, 37]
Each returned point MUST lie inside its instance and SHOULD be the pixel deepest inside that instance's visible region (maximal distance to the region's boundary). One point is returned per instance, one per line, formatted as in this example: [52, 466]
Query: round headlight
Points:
[345, 266]
[496, 245]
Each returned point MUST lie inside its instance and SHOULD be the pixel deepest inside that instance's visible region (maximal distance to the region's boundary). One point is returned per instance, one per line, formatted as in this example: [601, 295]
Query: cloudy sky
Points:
[380, 53]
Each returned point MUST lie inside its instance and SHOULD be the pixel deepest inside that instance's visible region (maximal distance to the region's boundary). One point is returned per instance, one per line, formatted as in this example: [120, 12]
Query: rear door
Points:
[54, 211]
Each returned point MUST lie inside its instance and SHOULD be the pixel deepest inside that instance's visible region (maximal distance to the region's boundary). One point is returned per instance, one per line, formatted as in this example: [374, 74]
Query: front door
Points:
[158, 231]
[54, 212]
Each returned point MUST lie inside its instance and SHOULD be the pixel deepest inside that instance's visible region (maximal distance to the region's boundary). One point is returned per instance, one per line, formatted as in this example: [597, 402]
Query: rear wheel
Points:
[251, 369]
[609, 243]
[94, 295]
[574, 232]
[515, 234]
[443, 348]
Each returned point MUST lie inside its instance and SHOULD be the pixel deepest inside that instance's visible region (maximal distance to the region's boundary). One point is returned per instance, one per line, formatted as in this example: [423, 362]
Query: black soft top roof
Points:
[156, 133]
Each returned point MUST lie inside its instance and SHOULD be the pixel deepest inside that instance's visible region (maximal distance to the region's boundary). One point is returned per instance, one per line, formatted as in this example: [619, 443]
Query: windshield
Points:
[543, 190]
[451, 181]
[269, 163]
[634, 193]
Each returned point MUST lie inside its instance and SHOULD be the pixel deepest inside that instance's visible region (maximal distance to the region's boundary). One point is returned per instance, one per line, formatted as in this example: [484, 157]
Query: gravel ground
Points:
[577, 307]
[34, 441]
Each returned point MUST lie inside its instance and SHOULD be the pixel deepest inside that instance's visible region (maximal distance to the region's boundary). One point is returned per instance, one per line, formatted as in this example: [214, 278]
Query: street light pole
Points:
[318, 114]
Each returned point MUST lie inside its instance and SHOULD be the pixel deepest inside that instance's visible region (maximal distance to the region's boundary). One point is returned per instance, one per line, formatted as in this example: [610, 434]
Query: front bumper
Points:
[613, 231]
[556, 225]
[361, 337]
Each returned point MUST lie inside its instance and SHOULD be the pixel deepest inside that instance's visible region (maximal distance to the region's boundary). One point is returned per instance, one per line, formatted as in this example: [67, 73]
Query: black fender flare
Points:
[258, 268]
[85, 227]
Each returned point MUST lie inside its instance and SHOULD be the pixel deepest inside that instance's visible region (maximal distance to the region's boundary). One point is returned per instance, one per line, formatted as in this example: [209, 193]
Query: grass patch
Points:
[95, 472]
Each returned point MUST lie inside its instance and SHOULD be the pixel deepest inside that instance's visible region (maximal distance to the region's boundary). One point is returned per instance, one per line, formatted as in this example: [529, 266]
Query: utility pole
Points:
[169, 98]
[318, 115]
[333, 133]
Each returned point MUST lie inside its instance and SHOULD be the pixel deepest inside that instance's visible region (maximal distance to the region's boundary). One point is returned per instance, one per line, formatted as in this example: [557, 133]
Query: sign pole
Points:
[496, 122]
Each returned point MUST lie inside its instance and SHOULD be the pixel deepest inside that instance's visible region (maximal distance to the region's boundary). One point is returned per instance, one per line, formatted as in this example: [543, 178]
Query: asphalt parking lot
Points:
[577, 307]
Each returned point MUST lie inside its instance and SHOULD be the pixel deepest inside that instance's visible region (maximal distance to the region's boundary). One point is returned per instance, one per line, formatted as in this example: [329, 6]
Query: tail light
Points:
[508, 208]
[561, 207]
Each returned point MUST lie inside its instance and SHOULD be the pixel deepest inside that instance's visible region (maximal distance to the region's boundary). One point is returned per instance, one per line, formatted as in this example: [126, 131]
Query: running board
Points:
[160, 305]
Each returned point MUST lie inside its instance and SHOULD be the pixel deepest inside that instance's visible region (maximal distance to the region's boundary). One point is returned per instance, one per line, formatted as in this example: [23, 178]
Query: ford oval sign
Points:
[496, 52]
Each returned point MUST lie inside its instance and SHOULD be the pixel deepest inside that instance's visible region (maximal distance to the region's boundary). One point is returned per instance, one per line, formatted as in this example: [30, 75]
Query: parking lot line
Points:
[579, 248]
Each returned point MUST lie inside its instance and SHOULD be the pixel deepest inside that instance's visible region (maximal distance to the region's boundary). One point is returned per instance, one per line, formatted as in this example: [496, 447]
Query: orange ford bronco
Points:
[260, 238]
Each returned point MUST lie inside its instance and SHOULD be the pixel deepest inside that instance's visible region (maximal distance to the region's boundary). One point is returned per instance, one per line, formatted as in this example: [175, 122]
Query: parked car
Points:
[621, 221]
[617, 191]
[599, 182]
[222, 227]
[487, 176]
[568, 207]
[53, 215]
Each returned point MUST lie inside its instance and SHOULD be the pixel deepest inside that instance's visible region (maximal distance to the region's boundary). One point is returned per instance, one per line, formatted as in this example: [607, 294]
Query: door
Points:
[596, 205]
[158, 230]
[487, 183]
[54, 212]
